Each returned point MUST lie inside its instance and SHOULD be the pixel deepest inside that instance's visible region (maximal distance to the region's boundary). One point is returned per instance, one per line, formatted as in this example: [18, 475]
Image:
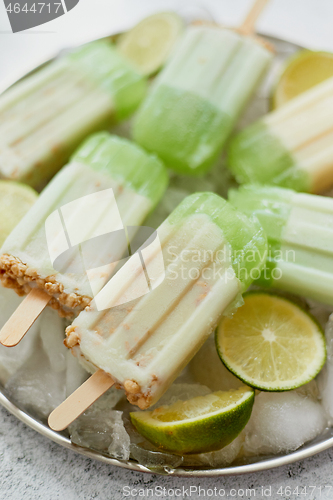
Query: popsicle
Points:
[210, 251]
[110, 184]
[198, 97]
[299, 229]
[291, 147]
[44, 117]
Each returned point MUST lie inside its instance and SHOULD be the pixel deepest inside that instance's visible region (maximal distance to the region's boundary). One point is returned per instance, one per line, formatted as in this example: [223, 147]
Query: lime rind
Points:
[197, 435]
[306, 377]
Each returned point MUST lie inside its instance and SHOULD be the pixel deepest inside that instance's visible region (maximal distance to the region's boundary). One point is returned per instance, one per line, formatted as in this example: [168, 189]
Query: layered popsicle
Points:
[203, 257]
[44, 117]
[110, 184]
[299, 229]
[291, 147]
[198, 97]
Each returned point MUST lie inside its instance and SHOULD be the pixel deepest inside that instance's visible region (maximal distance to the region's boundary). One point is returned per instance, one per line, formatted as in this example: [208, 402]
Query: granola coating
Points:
[21, 278]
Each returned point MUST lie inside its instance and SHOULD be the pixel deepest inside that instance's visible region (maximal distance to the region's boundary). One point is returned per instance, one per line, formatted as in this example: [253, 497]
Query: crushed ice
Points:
[40, 373]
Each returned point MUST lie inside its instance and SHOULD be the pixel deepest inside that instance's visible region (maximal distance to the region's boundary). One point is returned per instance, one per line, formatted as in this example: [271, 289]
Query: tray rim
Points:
[59, 438]
[265, 464]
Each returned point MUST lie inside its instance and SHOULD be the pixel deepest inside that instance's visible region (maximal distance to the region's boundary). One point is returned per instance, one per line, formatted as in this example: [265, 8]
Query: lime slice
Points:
[15, 200]
[198, 425]
[150, 42]
[302, 72]
[271, 343]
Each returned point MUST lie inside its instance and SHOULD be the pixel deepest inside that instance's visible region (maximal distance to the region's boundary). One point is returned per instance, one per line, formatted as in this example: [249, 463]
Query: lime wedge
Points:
[271, 343]
[150, 42]
[201, 424]
[302, 72]
[15, 200]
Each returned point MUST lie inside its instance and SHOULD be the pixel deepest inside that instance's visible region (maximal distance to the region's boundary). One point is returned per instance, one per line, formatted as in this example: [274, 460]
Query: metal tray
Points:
[258, 106]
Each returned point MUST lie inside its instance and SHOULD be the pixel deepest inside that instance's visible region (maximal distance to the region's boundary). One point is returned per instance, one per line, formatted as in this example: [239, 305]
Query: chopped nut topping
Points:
[18, 276]
[143, 403]
[131, 387]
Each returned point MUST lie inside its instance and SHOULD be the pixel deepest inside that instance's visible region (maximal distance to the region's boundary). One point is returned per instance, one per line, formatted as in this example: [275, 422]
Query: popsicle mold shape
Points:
[210, 253]
[299, 230]
[291, 147]
[45, 116]
[109, 185]
[198, 97]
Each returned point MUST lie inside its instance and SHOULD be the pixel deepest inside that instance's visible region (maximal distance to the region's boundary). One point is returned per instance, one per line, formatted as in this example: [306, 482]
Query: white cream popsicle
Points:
[198, 97]
[299, 230]
[109, 184]
[162, 305]
[291, 147]
[44, 117]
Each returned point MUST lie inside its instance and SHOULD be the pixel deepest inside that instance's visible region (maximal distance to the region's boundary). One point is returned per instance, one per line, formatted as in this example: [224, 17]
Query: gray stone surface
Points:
[32, 468]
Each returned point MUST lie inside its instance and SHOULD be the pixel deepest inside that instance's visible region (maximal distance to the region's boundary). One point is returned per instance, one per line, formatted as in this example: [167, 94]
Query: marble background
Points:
[32, 467]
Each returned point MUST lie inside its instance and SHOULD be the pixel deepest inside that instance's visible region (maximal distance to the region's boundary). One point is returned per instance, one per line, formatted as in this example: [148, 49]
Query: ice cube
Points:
[219, 180]
[329, 338]
[35, 386]
[282, 422]
[325, 384]
[325, 378]
[12, 359]
[75, 373]
[120, 441]
[94, 429]
[109, 400]
[219, 458]
[145, 452]
[207, 369]
[310, 390]
[39, 385]
[151, 457]
[320, 311]
[52, 332]
[102, 430]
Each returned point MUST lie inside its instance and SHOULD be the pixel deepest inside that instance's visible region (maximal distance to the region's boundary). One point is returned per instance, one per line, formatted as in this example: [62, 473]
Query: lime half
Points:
[150, 42]
[271, 343]
[198, 425]
[15, 200]
[302, 72]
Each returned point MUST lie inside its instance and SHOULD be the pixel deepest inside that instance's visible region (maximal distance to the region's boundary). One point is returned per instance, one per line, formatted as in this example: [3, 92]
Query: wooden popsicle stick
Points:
[25, 315]
[78, 402]
[248, 25]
